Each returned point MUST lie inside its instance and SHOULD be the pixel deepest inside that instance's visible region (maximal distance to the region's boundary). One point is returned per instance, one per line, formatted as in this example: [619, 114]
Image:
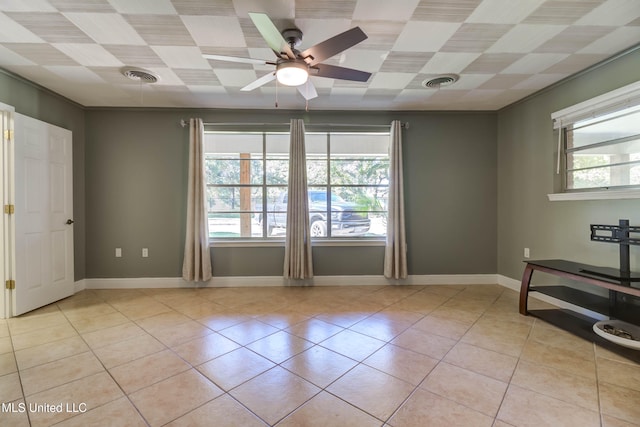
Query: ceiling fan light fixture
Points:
[292, 73]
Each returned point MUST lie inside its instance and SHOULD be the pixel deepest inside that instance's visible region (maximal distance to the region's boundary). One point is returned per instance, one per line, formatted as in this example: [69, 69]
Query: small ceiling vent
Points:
[440, 81]
[140, 75]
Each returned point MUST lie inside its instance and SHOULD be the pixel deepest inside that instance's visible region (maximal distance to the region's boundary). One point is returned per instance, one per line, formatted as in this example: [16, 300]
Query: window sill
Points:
[256, 243]
[595, 195]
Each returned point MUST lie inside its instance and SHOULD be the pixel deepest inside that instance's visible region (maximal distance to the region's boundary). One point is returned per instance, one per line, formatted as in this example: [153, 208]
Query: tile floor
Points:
[323, 356]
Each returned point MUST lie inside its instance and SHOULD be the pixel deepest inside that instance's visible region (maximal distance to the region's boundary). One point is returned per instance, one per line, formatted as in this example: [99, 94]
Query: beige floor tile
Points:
[374, 392]
[203, 349]
[280, 346]
[28, 323]
[346, 316]
[248, 332]
[326, 410]
[274, 394]
[161, 321]
[104, 321]
[123, 352]
[221, 411]
[112, 335]
[608, 421]
[404, 364]
[43, 336]
[53, 374]
[141, 308]
[577, 390]
[7, 364]
[15, 414]
[173, 397]
[443, 327]
[620, 402]
[223, 320]
[119, 413]
[421, 302]
[45, 353]
[72, 398]
[427, 409]
[619, 373]
[283, 319]
[10, 388]
[199, 310]
[522, 408]
[381, 327]
[178, 334]
[319, 365]
[148, 370]
[353, 344]
[558, 358]
[6, 346]
[314, 330]
[422, 342]
[498, 335]
[4, 328]
[234, 368]
[552, 336]
[467, 388]
[89, 311]
[482, 361]
[459, 315]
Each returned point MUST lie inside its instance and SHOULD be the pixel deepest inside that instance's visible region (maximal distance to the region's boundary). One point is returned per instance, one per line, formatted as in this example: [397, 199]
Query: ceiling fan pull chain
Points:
[276, 93]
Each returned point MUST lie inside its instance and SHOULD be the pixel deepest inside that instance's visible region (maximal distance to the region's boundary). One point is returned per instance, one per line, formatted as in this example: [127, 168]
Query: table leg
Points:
[524, 289]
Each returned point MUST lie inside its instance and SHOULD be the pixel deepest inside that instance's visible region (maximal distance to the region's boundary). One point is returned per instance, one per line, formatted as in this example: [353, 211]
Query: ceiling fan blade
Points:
[342, 73]
[308, 90]
[261, 81]
[271, 35]
[334, 45]
[236, 59]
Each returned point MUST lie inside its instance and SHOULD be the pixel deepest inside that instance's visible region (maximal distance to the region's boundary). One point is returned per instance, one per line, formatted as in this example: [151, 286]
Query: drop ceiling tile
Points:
[611, 13]
[503, 81]
[381, 35]
[215, 30]
[139, 56]
[444, 11]
[204, 7]
[360, 59]
[274, 8]
[425, 36]
[40, 54]
[573, 39]
[235, 78]
[617, 40]
[561, 12]
[503, 11]
[524, 38]
[26, 6]
[166, 77]
[89, 54]
[407, 62]
[181, 57]
[146, 7]
[101, 6]
[446, 62]
[9, 58]
[539, 81]
[475, 37]
[534, 63]
[375, 10]
[384, 80]
[317, 9]
[75, 74]
[315, 31]
[106, 28]
[12, 32]
[492, 63]
[51, 27]
[469, 81]
[574, 63]
[161, 30]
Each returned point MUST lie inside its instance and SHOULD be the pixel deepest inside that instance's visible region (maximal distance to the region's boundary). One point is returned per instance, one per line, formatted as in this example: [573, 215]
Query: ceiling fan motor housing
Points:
[293, 36]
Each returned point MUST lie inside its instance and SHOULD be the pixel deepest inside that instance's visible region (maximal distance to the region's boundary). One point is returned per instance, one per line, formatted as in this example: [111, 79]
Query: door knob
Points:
[70, 221]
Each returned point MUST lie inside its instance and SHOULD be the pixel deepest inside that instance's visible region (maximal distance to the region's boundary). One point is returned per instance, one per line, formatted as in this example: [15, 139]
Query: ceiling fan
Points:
[293, 67]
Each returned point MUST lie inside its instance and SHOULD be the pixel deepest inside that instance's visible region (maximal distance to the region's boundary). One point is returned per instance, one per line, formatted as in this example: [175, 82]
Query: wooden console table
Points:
[604, 277]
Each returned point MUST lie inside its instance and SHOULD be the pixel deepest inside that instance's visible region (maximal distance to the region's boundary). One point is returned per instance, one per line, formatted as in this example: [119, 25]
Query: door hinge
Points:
[9, 209]
[10, 284]
[8, 134]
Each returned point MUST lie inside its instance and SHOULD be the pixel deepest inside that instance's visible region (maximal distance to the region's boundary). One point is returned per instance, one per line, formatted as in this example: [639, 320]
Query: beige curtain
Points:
[197, 259]
[298, 263]
[395, 254]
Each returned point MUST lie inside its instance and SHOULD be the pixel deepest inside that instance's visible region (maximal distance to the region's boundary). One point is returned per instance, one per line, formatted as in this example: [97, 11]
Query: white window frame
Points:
[616, 100]
[279, 240]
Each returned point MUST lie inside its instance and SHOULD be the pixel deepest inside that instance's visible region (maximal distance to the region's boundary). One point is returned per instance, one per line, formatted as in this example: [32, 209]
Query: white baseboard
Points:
[79, 285]
[262, 281]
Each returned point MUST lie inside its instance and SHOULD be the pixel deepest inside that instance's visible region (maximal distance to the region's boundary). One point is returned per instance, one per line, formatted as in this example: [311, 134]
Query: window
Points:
[247, 175]
[601, 142]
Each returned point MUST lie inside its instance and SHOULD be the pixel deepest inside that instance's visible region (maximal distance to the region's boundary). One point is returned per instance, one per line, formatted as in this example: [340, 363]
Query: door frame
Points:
[6, 166]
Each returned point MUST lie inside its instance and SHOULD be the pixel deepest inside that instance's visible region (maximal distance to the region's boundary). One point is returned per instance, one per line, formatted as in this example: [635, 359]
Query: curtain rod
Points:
[184, 123]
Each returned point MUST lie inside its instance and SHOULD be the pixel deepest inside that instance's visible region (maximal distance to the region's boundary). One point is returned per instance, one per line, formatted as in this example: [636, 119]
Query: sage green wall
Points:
[41, 104]
[136, 168]
[526, 174]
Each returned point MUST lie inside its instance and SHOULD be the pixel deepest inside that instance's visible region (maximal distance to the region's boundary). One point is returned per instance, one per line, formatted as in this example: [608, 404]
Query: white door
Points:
[43, 256]
[6, 248]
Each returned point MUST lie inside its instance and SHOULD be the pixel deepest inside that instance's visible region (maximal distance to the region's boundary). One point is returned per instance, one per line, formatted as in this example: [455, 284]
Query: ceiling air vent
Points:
[140, 75]
[440, 81]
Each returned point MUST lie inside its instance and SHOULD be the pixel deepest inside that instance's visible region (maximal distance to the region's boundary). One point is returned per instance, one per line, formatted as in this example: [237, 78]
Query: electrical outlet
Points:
[118, 252]
[527, 254]
[145, 252]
